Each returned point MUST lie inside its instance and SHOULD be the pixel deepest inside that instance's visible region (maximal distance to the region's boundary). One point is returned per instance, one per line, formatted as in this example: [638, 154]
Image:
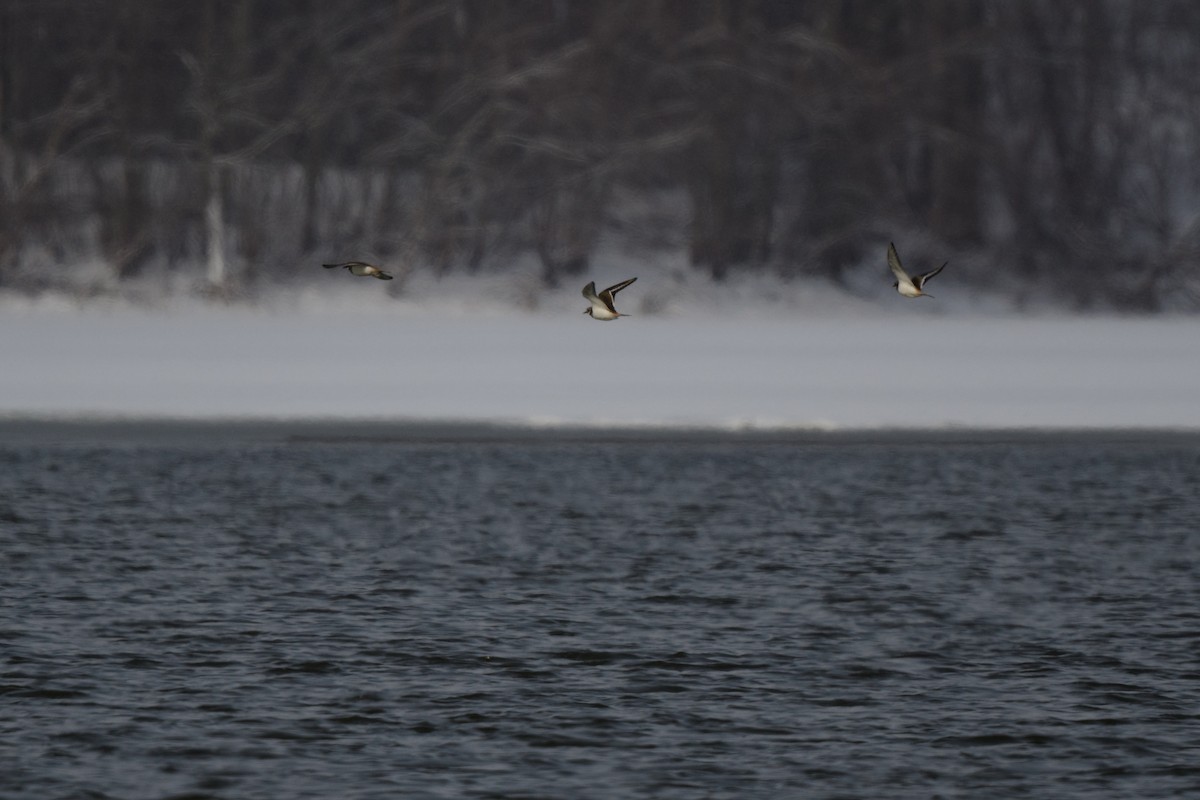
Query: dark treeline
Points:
[1051, 140]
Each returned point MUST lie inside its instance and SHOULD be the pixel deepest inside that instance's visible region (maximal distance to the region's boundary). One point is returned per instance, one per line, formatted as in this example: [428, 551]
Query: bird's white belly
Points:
[909, 290]
[603, 314]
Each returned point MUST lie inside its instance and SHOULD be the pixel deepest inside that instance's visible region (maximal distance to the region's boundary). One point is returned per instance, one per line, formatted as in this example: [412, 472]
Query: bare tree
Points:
[1053, 138]
[51, 110]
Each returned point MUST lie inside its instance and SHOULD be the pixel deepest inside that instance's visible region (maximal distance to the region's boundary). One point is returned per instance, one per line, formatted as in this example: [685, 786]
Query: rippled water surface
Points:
[265, 616]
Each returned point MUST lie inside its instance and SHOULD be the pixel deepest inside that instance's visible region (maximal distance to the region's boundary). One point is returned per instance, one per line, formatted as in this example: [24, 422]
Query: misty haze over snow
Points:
[702, 355]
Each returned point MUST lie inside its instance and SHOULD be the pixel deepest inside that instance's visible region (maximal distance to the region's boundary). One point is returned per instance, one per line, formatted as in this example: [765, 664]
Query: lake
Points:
[259, 610]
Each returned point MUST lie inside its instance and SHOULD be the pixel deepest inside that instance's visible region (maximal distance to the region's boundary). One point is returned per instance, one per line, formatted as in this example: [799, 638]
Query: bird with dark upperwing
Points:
[602, 307]
[361, 268]
[909, 287]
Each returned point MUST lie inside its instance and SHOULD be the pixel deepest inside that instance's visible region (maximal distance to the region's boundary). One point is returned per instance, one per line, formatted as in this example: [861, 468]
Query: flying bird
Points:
[909, 287]
[601, 307]
[362, 269]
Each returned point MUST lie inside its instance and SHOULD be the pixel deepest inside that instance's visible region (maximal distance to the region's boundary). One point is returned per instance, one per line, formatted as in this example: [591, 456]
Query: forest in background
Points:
[1049, 146]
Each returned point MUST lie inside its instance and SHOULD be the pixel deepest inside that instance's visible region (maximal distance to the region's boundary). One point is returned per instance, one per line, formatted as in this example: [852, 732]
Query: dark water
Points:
[244, 616]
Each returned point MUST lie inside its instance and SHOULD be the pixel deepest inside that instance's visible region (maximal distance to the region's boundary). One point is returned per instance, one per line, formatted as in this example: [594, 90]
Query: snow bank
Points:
[357, 354]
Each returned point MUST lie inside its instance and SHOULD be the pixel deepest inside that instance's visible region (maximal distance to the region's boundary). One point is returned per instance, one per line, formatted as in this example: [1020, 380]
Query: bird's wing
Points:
[346, 264]
[618, 287]
[920, 279]
[894, 264]
[606, 297]
[589, 292]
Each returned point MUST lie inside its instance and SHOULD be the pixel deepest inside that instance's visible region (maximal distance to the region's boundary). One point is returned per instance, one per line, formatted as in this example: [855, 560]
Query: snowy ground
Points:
[491, 354]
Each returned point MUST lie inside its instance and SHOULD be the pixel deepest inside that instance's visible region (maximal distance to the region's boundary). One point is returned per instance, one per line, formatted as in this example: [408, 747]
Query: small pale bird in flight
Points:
[909, 287]
[362, 269]
[601, 307]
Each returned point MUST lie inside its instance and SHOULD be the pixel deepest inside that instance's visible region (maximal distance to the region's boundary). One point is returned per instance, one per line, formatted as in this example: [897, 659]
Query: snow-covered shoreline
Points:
[350, 355]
